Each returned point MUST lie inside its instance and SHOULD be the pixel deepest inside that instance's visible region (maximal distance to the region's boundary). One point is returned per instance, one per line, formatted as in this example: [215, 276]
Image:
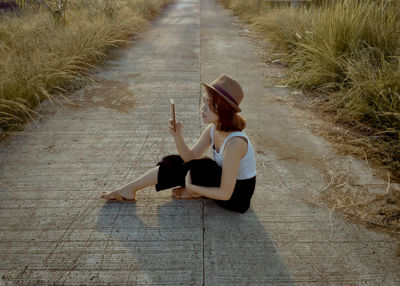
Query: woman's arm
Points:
[234, 151]
[199, 147]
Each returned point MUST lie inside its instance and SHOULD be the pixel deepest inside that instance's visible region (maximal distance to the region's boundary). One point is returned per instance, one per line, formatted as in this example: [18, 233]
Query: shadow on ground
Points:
[233, 248]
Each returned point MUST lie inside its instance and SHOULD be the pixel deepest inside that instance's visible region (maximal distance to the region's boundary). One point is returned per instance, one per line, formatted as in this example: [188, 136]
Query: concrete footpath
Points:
[55, 229]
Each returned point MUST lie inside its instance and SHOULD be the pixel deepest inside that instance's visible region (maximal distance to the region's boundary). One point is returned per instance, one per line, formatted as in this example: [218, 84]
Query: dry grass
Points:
[357, 203]
[347, 50]
[376, 205]
[357, 138]
[344, 54]
[41, 55]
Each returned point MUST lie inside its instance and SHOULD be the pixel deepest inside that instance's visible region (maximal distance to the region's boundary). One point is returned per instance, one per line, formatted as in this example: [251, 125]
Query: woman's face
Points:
[206, 114]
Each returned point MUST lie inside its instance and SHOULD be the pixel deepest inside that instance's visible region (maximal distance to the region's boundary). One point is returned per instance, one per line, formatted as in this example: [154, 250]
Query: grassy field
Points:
[345, 54]
[44, 51]
[346, 50]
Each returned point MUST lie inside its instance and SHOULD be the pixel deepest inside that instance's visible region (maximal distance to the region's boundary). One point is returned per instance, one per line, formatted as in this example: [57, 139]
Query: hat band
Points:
[225, 93]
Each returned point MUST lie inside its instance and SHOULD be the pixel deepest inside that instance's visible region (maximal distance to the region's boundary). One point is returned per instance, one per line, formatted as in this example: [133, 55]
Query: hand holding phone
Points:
[173, 114]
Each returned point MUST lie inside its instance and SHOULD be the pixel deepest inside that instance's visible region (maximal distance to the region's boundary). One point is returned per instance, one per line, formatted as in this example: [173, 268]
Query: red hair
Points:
[229, 119]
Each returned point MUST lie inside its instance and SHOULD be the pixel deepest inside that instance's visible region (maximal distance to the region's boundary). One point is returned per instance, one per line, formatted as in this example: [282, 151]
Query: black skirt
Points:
[204, 172]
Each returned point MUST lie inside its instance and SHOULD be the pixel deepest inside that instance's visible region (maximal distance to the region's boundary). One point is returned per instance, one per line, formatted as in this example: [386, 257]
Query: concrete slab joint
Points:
[55, 230]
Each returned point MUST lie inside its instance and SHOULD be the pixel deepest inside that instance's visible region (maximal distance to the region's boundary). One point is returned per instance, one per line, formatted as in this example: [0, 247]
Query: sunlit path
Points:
[56, 229]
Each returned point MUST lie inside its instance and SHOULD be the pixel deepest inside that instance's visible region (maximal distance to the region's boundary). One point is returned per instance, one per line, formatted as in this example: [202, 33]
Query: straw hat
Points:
[229, 89]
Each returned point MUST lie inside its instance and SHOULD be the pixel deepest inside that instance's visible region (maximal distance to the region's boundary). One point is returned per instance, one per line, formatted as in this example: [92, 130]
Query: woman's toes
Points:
[175, 195]
[177, 192]
[186, 195]
[106, 195]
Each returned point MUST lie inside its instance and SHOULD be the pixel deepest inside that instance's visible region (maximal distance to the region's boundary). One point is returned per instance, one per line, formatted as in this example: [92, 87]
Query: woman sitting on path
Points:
[230, 178]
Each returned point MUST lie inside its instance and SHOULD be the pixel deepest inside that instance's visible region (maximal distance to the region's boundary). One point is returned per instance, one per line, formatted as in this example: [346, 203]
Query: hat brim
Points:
[231, 103]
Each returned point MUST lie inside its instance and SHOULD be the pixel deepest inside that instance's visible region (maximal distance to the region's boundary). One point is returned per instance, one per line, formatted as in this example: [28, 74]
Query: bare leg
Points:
[129, 191]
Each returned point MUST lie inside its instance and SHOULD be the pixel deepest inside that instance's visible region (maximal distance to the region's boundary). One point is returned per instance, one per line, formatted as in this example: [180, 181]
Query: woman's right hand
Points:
[178, 128]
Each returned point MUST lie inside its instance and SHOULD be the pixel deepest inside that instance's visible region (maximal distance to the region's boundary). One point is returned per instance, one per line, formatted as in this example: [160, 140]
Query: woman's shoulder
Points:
[237, 144]
[239, 134]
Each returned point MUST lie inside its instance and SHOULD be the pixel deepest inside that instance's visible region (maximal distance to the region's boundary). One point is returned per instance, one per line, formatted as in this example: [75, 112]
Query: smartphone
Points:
[173, 113]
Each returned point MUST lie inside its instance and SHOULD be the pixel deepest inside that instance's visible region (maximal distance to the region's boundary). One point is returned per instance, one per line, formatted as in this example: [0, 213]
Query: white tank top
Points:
[247, 166]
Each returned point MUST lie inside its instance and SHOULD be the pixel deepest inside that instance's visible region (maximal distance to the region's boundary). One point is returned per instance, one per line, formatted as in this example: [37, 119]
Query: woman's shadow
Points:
[188, 242]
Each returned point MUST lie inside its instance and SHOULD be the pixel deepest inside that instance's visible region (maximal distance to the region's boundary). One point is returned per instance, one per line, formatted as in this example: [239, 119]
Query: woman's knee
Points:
[204, 172]
[171, 172]
[171, 160]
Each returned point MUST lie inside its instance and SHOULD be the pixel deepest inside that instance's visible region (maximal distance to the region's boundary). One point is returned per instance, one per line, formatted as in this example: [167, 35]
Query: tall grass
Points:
[39, 58]
[349, 52]
[347, 49]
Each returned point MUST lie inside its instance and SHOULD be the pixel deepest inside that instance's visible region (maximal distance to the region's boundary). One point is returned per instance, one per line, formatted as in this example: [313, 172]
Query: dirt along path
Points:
[56, 229]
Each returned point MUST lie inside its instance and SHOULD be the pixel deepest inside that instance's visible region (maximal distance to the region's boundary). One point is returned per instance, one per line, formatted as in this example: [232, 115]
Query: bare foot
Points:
[177, 192]
[125, 193]
[181, 193]
[187, 195]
